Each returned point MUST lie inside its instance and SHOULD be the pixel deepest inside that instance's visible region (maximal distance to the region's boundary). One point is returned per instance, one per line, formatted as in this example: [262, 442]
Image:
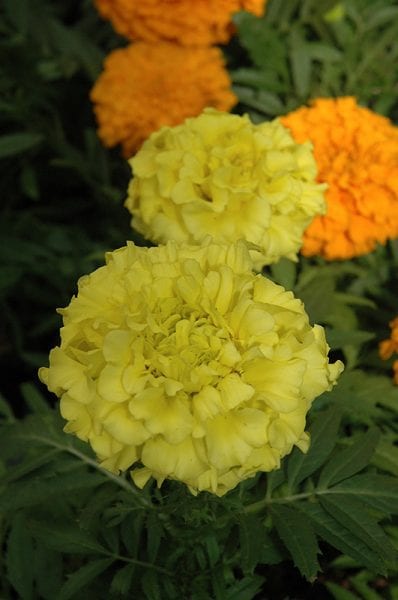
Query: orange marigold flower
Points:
[200, 23]
[146, 86]
[357, 155]
[390, 346]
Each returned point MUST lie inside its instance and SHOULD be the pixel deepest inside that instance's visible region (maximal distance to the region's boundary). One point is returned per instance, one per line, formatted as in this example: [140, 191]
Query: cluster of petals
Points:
[389, 347]
[185, 22]
[357, 155]
[182, 363]
[146, 86]
[219, 174]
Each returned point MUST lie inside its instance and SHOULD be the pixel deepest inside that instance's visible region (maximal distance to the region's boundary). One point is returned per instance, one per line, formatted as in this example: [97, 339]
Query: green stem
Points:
[141, 563]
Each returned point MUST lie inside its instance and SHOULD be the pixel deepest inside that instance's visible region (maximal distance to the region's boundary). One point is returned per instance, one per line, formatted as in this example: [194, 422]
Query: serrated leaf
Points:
[354, 516]
[34, 491]
[379, 491]
[350, 460]
[246, 588]
[297, 534]
[80, 578]
[323, 435]
[66, 538]
[16, 143]
[121, 582]
[249, 542]
[340, 537]
[19, 558]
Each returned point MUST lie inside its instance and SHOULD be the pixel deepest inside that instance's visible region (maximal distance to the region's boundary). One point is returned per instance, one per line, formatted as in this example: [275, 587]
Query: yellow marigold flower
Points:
[198, 23]
[146, 86]
[181, 362]
[390, 346]
[220, 175]
[357, 155]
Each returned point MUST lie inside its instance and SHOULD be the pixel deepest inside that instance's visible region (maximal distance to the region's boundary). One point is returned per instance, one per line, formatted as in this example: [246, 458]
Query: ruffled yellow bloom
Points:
[181, 362]
[218, 174]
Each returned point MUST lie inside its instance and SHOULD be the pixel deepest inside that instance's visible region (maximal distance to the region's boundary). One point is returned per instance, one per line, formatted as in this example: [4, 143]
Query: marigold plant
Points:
[221, 175]
[199, 23]
[146, 86]
[389, 347]
[180, 361]
[357, 155]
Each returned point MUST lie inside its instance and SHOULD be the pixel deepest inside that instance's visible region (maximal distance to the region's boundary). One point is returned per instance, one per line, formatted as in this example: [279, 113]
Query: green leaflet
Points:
[121, 582]
[323, 438]
[256, 544]
[20, 549]
[17, 143]
[349, 461]
[80, 578]
[245, 589]
[340, 537]
[355, 516]
[378, 491]
[66, 538]
[297, 534]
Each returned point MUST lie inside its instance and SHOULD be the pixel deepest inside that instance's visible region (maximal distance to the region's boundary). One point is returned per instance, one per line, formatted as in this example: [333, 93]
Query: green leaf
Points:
[385, 457]
[297, 534]
[66, 538]
[154, 536]
[34, 399]
[318, 297]
[324, 52]
[121, 582]
[323, 434]
[300, 61]
[246, 588]
[48, 572]
[284, 272]
[5, 410]
[340, 537]
[338, 338]
[354, 516]
[16, 143]
[80, 578]
[379, 491]
[256, 545]
[340, 593]
[150, 585]
[349, 461]
[19, 558]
